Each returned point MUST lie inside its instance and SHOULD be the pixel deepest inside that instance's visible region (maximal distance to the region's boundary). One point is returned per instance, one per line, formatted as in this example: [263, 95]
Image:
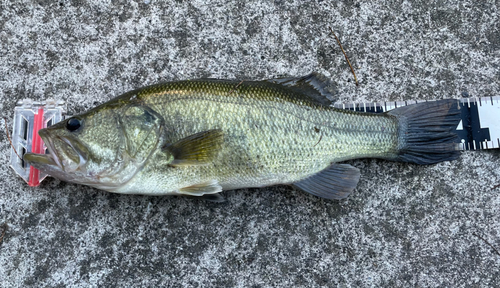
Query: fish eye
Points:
[73, 124]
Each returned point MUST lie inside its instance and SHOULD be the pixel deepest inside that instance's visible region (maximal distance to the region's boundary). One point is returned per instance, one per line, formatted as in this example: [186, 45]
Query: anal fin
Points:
[335, 182]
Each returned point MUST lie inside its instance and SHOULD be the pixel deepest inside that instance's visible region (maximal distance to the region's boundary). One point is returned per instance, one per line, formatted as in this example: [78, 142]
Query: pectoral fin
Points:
[196, 149]
[335, 182]
[210, 187]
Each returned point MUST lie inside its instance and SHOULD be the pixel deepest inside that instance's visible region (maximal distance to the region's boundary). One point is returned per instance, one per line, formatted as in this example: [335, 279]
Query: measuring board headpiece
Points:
[29, 117]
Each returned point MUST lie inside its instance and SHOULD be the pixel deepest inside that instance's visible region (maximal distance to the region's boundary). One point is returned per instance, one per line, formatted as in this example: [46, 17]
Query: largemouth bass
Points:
[199, 137]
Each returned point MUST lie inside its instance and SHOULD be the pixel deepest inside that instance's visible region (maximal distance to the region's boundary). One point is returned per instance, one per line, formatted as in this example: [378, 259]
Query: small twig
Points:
[320, 137]
[8, 137]
[495, 187]
[492, 247]
[235, 88]
[3, 232]
[345, 55]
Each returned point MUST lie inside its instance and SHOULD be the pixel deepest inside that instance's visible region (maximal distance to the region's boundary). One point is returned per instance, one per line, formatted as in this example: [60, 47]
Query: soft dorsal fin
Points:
[196, 149]
[335, 182]
[314, 86]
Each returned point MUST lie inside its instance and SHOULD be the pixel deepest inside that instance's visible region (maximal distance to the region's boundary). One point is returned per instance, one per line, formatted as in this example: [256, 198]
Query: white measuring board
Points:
[479, 128]
[488, 110]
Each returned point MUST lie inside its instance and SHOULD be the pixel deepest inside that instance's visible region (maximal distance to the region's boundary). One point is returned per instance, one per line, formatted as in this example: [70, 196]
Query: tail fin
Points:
[426, 132]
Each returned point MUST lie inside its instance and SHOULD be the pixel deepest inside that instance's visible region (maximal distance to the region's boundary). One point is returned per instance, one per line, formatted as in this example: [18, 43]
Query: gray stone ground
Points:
[405, 225]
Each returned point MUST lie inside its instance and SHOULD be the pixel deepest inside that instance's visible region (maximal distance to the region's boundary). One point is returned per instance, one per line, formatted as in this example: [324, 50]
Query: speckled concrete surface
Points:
[405, 225]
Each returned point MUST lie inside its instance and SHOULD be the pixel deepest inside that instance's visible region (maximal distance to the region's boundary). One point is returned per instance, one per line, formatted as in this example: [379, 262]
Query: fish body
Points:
[199, 137]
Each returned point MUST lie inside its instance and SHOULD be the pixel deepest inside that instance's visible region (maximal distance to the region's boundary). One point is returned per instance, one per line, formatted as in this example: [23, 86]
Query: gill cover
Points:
[142, 129]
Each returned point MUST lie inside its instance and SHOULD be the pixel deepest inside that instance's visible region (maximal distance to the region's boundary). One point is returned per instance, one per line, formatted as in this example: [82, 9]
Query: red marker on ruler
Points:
[36, 147]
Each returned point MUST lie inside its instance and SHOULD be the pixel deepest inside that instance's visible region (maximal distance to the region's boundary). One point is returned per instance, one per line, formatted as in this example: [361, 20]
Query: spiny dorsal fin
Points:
[335, 182]
[196, 149]
[314, 86]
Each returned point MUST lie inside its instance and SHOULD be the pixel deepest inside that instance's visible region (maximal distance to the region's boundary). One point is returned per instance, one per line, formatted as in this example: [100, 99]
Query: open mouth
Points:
[49, 143]
[60, 155]
[39, 161]
[44, 161]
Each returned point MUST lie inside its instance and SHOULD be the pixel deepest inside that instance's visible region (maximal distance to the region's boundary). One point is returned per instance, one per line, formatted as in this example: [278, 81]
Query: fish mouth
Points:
[61, 156]
[39, 161]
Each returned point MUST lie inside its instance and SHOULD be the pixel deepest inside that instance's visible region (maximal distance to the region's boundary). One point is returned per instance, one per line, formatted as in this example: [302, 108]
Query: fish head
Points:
[103, 148]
